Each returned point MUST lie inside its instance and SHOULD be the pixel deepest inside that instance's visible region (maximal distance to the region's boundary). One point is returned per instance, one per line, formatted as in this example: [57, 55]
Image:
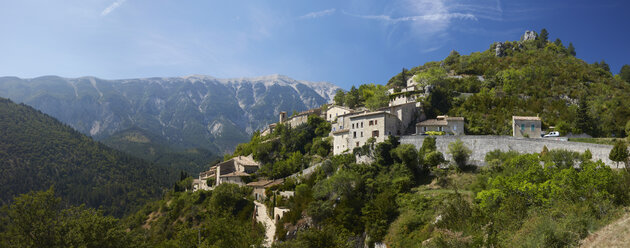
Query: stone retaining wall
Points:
[482, 144]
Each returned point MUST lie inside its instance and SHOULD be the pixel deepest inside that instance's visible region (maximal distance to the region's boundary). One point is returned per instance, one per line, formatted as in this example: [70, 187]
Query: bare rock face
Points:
[529, 35]
[499, 49]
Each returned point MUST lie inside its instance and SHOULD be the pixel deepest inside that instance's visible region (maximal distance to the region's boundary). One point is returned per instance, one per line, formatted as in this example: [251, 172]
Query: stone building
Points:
[443, 123]
[302, 117]
[378, 124]
[335, 111]
[526, 126]
[259, 187]
[230, 171]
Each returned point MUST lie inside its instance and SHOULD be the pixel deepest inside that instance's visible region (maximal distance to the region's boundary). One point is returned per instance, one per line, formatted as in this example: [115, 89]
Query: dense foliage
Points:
[288, 150]
[534, 77]
[218, 218]
[371, 96]
[38, 219]
[37, 151]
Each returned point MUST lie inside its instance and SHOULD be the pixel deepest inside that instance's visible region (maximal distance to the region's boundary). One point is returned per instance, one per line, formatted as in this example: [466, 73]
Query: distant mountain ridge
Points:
[189, 112]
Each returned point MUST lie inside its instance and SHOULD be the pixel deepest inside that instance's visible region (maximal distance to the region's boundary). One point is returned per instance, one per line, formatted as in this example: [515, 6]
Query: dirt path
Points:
[270, 225]
[617, 234]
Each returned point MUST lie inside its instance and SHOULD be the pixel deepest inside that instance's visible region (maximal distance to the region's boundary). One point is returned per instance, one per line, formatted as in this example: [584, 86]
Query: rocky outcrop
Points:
[529, 35]
[499, 49]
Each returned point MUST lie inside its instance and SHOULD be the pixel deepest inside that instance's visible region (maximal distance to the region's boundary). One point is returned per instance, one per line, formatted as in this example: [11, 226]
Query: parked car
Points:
[553, 134]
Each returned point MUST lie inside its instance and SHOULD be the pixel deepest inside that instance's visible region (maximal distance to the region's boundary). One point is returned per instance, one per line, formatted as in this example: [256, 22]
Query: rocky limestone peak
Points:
[529, 35]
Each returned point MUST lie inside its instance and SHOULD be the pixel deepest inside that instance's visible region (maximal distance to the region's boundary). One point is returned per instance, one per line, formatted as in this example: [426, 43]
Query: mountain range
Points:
[188, 112]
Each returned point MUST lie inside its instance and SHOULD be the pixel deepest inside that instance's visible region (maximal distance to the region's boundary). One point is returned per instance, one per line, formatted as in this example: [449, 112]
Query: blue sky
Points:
[343, 42]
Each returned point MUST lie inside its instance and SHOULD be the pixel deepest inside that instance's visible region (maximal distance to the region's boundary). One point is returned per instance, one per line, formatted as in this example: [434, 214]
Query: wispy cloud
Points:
[429, 17]
[318, 14]
[112, 7]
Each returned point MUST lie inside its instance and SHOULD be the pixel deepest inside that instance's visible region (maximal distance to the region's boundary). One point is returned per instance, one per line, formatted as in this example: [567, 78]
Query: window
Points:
[357, 144]
[454, 128]
[375, 122]
[440, 129]
[341, 127]
[355, 134]
[371, 123]
[330, 116]
[352, 125]
[361, 133]
[333, 129]
[533, 127]
[424, 129]
[361, 124]
[375, 133]
[522, 127]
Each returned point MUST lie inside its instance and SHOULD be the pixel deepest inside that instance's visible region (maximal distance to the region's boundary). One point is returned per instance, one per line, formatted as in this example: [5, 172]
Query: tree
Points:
[558, 43]
[353, 98]
[571, 50]
[603, 65]
[543, 38]
[619, 152]
[460, 153]
[584, 121]
[452, 58]
[428, 145]
[340, 97]
[624, 73]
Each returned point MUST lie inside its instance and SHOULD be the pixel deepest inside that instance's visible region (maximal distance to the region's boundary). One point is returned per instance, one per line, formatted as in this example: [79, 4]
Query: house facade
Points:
[335, 111]
[443, 123]
[378, 124]
[526, 126]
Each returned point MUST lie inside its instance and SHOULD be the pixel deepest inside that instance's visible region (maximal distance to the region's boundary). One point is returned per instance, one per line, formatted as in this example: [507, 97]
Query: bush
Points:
[460, 154]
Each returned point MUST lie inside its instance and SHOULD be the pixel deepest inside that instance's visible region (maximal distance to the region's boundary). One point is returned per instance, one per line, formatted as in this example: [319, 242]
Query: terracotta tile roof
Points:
[526, 118]
[266, 183]
[260, 183]
[433, 122]
[235, 174]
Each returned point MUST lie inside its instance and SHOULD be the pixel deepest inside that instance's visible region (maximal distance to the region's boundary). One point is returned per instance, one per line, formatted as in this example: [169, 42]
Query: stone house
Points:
[341, 139]
[259, 187]
[378, 124]
[443, 123]
[335, 111]
[230, 171]
[526, 126]
[302, 117]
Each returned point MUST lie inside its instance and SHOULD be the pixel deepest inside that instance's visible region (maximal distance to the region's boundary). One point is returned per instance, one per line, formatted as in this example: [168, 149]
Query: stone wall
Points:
[482, 144]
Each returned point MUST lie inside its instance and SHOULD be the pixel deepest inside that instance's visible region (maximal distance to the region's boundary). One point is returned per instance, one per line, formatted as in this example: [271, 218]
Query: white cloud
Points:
[435, 16]
[112, 7]
[318, 14]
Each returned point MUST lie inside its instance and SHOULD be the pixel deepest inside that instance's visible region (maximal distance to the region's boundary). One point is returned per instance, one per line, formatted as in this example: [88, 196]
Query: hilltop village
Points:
[353, 128]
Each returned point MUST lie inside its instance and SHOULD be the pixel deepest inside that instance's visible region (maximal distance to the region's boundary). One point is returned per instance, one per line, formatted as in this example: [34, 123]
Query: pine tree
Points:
[543, 37]
[340, 97]
[571, 50]
[624, 73]
[558, 43]
[584, 121]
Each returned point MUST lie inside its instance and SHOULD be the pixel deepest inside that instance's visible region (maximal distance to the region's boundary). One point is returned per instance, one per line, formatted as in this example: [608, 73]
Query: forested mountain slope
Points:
[156, 149]
[37, 152]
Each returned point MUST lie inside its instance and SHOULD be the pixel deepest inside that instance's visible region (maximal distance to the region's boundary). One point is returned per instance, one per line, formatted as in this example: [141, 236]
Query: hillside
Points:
[154, 148]
[37, 152]
[189, 112]
[526, 77]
